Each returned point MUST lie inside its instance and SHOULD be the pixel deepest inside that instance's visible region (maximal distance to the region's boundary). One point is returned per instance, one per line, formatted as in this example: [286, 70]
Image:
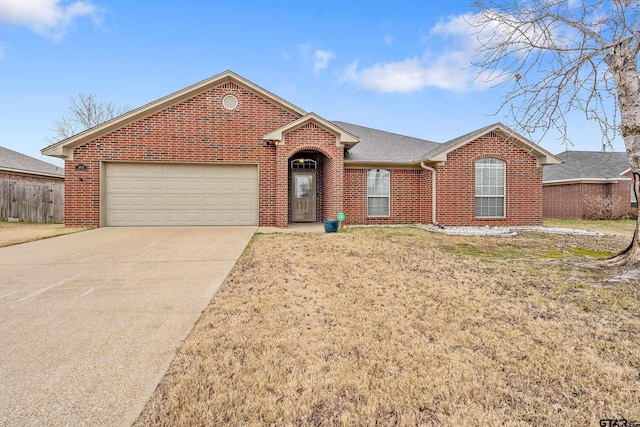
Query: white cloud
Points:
[50, 18]
[318, 59]
[405, 76]
[321, 60]
[454, 25]
[447, 68]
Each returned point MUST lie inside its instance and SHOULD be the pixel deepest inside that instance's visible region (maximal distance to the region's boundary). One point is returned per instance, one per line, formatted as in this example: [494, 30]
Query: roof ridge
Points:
[337, 122]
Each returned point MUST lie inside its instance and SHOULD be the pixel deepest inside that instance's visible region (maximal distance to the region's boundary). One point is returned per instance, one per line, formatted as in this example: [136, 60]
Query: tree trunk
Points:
[630, 257]
[623, 66]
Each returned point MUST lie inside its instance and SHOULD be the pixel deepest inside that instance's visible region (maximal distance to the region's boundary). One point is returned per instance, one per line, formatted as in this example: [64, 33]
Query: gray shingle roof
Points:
[587, 165]
[12, 160]
[377, 145]
[455, 141]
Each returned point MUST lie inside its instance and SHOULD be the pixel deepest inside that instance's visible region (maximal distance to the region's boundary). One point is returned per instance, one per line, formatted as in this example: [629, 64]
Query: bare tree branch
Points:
[85, 111]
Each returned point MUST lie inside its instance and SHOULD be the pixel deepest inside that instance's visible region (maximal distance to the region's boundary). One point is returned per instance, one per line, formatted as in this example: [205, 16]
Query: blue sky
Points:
[398, 66]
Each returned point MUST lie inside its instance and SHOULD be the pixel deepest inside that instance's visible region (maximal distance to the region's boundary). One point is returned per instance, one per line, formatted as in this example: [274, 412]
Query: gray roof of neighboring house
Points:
[586, 166]
[14, 161]
[377, 145]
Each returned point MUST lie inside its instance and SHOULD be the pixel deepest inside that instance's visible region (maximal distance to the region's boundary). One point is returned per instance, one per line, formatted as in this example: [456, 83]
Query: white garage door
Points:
[147, 194]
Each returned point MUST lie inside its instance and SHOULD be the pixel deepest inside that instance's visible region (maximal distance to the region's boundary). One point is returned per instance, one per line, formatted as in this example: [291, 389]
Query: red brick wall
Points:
[198, 130]
[577, 200]
[411, 189]
[591, 194]
[456, 184]
[311, 137]
[563, 201]
[621, 195]
[410, 197]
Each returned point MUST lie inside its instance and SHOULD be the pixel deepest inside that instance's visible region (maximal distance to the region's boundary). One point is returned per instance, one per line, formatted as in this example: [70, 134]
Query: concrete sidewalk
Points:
[89, 322]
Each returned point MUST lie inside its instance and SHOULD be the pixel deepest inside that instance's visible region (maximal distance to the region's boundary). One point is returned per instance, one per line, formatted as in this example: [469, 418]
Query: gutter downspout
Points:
[433, 193]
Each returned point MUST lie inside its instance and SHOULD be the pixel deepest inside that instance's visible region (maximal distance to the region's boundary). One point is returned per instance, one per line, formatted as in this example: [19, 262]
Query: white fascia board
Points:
[586, 181]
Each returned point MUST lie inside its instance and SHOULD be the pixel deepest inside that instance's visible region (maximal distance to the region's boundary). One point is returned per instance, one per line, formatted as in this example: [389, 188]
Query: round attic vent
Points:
[230, 102]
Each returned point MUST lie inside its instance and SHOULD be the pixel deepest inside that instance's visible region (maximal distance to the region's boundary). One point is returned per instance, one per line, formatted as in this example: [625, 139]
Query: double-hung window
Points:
[490, 185]
[378, 192]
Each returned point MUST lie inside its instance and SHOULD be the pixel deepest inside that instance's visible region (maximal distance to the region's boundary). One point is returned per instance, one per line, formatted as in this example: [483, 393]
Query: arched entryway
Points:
[306, 186]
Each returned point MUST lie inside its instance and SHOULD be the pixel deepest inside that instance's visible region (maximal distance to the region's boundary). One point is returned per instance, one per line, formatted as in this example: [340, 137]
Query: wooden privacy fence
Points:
[31, 201]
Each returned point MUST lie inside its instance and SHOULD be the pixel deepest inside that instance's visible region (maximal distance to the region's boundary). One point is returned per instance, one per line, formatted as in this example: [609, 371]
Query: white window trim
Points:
[379, 197]
[230, 98]
[504, 196]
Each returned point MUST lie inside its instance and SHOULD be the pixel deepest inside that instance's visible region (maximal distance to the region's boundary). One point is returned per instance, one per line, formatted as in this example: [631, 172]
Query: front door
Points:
[303, 197]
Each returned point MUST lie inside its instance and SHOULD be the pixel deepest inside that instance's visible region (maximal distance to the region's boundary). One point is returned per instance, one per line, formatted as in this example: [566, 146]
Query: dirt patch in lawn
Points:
[399, 326]
[12, 233]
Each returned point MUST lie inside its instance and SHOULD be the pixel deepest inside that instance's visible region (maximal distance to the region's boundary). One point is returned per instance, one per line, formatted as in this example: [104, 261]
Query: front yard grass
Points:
[622, 227]
[399, 326]
[12, 233]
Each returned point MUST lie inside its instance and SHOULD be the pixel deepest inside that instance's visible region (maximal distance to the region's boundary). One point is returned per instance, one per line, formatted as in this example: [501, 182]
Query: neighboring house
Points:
[30, 190]
[588, 185]
[225, 151]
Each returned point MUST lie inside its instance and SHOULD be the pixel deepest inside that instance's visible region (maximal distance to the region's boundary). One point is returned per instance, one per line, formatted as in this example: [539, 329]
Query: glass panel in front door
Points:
[303, 203]
[303, 186]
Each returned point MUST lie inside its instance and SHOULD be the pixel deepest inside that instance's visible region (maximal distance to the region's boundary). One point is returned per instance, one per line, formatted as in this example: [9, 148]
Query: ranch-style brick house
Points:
[225, 151]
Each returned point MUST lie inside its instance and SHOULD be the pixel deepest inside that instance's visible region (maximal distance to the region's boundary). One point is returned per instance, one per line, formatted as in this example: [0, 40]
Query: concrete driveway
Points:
[89, 322]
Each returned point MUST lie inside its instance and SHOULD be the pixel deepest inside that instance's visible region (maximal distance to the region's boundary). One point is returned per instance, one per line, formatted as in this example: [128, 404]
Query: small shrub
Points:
[631, 214]
[601, 207]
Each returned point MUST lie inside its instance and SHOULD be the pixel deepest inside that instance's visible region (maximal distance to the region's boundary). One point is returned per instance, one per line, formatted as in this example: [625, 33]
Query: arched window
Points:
[490, 184]
[378, 192]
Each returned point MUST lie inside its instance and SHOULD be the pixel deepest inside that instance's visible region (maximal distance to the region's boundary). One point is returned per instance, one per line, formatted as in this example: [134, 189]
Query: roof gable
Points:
[64, 148]
[13, 161]
[544, 157]
[591, 166]
[389, 148]
[342, 136]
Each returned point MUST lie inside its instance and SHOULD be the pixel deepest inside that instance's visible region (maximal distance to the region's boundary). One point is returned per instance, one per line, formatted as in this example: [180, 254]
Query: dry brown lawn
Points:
[623, 227]
[400, 326]
[12, 233]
